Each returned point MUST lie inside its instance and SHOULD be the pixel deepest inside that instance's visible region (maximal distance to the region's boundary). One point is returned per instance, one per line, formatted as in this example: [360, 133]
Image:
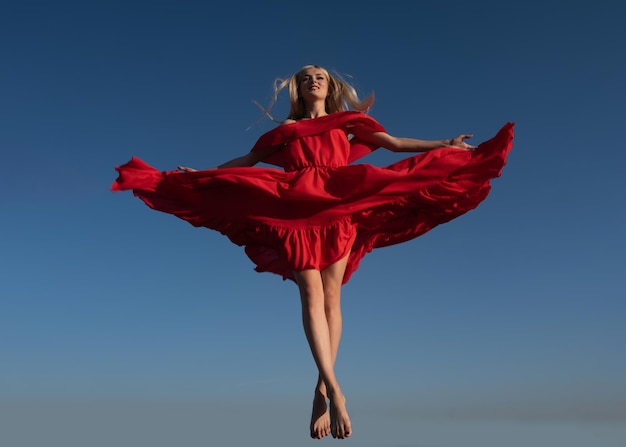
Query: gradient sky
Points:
[123, 326]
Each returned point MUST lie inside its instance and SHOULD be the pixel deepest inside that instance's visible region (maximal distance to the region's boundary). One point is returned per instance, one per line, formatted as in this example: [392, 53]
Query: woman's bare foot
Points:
[340, 426]
[320, 417]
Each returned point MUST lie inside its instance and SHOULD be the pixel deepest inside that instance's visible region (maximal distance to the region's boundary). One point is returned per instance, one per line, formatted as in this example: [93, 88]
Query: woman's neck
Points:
[316, 110]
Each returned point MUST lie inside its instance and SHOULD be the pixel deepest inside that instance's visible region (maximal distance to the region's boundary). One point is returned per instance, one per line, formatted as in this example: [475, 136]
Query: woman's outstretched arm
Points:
[402, 144]
[249, 159]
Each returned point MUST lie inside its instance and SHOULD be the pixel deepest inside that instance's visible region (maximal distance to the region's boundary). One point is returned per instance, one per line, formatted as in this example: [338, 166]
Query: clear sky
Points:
[123, 326]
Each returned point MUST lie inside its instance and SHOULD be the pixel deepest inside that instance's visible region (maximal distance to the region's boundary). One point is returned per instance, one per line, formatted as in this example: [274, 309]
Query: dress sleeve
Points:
[358, 147]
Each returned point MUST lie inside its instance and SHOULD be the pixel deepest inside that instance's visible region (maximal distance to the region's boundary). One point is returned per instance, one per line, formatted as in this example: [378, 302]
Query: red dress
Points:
[319, 207]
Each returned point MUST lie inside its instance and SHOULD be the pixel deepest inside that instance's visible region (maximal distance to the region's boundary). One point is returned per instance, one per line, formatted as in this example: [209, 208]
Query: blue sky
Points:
[503, 327]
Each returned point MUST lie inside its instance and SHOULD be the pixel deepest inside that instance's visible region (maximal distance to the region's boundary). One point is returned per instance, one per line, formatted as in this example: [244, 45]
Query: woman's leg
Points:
[320, 293]
[332, 279]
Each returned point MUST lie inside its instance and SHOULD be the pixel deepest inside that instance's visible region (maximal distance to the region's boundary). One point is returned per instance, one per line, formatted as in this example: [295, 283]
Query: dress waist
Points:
[312, 166]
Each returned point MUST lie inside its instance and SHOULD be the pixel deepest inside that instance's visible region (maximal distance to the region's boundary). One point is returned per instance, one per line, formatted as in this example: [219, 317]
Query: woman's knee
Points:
[310, 286]
[332, 298]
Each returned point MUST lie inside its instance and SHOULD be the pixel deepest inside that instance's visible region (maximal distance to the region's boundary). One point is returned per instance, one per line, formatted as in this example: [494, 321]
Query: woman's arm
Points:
[401, 144]
[249, 159]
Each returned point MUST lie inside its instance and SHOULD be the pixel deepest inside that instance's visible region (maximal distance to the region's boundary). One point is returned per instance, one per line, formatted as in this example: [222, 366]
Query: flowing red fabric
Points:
[319, 207]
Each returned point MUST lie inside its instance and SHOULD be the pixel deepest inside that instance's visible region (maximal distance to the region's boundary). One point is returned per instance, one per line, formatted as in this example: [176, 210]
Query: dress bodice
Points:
[327, 149]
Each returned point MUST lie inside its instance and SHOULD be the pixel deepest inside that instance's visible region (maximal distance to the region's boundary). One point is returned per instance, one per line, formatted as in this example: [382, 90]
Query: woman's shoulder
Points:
[347, 115]
[340, 120]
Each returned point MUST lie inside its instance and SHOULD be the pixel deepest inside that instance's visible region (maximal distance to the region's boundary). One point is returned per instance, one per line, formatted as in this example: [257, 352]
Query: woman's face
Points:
[313, 84]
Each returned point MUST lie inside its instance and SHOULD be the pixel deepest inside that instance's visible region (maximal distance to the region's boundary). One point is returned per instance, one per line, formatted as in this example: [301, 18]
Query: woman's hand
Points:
[459, 142]
[186, 169]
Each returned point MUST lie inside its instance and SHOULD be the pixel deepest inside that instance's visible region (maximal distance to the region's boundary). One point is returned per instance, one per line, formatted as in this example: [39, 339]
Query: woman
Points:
[313, 221]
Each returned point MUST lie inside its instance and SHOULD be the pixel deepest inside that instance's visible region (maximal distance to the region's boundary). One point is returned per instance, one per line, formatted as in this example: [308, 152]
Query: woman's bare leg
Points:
[321, 313]
[332, 277]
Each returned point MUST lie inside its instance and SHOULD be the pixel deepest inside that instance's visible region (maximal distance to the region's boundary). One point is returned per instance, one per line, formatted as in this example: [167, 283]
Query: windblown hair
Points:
[341, 95]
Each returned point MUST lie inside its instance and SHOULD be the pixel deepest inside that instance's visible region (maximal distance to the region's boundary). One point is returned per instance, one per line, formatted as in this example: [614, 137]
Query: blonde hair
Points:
[341, 95]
